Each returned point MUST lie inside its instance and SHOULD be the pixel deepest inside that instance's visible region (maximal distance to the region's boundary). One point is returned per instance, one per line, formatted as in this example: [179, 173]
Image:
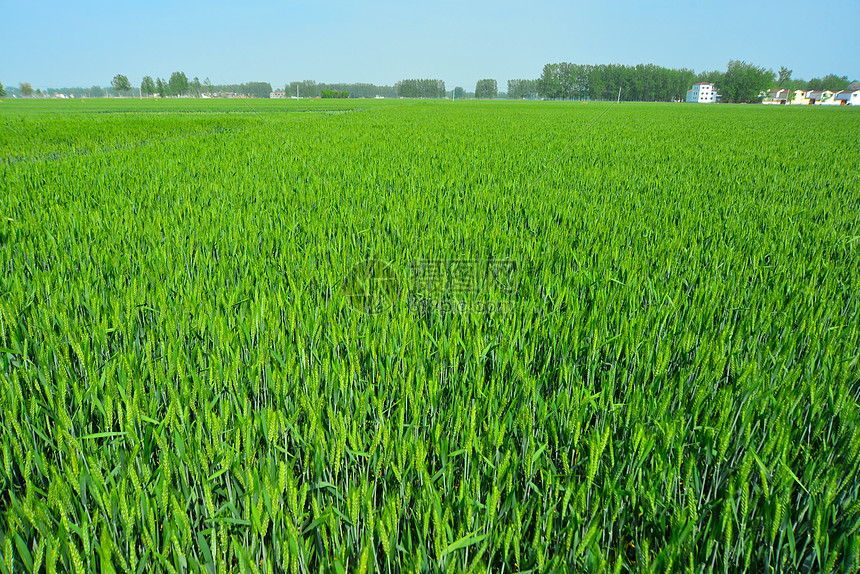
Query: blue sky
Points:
[62, 44]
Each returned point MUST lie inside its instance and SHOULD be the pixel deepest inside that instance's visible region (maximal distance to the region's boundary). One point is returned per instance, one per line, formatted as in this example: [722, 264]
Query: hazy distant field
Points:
[428, 335]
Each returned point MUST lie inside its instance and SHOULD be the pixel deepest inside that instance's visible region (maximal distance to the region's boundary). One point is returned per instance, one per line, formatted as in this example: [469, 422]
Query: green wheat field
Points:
[428, 336]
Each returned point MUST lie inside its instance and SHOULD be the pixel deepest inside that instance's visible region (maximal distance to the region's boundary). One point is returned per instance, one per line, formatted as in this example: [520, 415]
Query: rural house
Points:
[703, 93]
[848, 98]
[781, 97]
[800, 98]
[818, 97]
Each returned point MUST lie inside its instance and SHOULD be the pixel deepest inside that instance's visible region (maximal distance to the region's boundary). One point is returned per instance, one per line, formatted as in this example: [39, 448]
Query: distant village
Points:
[706, 93]
[813, 97]
[702, 92]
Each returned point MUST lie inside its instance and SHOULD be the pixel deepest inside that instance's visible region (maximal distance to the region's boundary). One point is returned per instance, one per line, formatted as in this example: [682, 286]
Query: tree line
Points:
[830, 82]
[643, 82]
[180, 85]
[248, 89]
[486, 89]
[334, 94]
[312, 89]
[26, 90]
[404, 89]
[743, 82]
[177, 85]
[740, 82]
[420, 88]
[523, 89]
[412, 88]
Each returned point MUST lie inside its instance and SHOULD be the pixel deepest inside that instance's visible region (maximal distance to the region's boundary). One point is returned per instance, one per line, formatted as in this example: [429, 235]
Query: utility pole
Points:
[619, 96]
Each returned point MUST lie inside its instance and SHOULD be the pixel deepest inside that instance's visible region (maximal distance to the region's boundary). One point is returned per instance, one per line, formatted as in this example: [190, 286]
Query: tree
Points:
[178, 83]
[256, 89]
[830, 82]
[716, 77]
[744, 82]
[458, 93]
[120, 83]
[549, 84]
[337, 94]
[195, 87]
[26, 89]
[428, 88]
[784, 76]
[2, 90]
[486, 89]
[309, 89]
[161, 88]
[147, 85]
[522, 89]
[305, 89]
[354, 90]
[96, 92]
[643, 82]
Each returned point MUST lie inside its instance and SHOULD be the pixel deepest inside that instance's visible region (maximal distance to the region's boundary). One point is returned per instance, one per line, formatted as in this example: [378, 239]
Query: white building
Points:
[819, 97]
[703, 93]
[830, 100]
[278, 95]
[778, 97]
[800, 98]
[848, 98]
